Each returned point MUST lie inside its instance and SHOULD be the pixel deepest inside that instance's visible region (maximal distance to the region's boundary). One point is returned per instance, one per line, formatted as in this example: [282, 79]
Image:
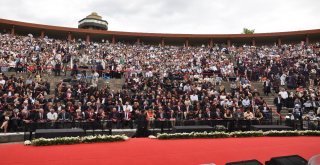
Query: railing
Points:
[106, 126]
[228, 125]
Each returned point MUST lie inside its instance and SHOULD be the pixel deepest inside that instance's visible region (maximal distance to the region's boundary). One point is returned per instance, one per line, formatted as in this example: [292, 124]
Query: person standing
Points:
[65, 61]
[284, 95]
[267, 87]
[57, 68]
[278, 103]
[74, 71]
[142, 124]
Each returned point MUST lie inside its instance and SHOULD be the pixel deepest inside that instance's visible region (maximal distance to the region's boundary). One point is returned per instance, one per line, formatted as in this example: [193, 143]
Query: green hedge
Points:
[75, 140]
[236, 134]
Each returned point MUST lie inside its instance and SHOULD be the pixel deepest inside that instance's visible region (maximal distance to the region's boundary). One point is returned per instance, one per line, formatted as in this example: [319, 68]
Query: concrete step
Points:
[11, 137]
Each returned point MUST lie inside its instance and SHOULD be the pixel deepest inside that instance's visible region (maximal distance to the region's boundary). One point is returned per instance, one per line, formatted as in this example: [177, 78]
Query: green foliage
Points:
[193, 135]
[247, 134]
[283, 133]
[220, 128]
[247, 31]
[76, 140]
[55, 141]
[236, 134]
[310, 133]
[103, 138]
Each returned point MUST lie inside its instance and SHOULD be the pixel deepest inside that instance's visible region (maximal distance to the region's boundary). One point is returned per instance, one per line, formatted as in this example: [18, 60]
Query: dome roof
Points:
[94, 15]
[93, 21]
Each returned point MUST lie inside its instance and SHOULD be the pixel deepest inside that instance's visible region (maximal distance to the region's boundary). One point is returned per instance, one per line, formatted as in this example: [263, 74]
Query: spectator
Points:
[238, 114]
[5, 122]
[64, 116]
[246, 102]
[267, 87]
[258, 115]
[52, 116]
[278, 101]
[185, 82]
[248, 115]
[297, 113]
[228, 115]
[284, 96]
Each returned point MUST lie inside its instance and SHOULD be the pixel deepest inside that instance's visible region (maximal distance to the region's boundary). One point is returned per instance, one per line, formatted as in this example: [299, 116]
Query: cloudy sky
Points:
[172, 16]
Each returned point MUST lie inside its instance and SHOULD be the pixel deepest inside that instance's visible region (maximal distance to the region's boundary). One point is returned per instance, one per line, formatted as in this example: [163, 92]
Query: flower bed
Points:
[193, 135]
[76, 140]
[236, 134]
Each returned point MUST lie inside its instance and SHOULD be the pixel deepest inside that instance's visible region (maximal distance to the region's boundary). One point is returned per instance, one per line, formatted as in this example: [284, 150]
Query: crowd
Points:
[161, 83]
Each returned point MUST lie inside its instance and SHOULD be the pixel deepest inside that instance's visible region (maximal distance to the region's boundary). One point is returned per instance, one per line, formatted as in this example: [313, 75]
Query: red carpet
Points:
[154, 152]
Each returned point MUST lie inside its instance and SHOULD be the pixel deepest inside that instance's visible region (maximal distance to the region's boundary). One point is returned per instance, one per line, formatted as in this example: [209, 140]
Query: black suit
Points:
[119, 108]
[64, 116]
[90, 116]
[171, 115]
[208, 115]
[218, 115]
[267, 87]
[161, 116]
[179, 108]
[142, 126]
[116, 117]
[278, 103]
[15, 121]
[38, 117]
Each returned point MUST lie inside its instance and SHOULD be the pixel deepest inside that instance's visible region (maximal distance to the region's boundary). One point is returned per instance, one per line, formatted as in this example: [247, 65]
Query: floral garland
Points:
[113, 138]
[236, 134]
[75, 140]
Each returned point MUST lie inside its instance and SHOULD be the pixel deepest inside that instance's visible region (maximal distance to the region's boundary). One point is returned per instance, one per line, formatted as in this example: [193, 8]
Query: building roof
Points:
[59, 30]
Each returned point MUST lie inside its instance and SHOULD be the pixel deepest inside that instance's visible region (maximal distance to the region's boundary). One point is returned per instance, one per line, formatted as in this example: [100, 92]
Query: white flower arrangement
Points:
[125, 138]
[192, 135]
[152, 137]
[103, 138]
[27, 142]
[236, 134]
[76, 140]
[246, 134]
[283, 133]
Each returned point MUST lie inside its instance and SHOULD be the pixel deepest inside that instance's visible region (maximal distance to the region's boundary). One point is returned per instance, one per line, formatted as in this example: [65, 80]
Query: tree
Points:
[247, 31]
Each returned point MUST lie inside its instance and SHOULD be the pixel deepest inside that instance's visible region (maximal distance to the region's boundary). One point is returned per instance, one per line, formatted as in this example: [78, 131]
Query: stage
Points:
[157, 152]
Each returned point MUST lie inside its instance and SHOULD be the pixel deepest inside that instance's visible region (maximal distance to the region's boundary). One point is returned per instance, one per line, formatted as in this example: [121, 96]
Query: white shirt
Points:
[284, 94]
[2, 82]
[186, 88]
[246, 102]
[95, 75]
[248, 116]
[149, 74]
[52, 116]
[127, 107]
[229, 103]
[194, 98]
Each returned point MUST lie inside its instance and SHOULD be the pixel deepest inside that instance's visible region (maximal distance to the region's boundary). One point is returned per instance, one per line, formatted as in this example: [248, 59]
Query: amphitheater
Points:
[115, 82]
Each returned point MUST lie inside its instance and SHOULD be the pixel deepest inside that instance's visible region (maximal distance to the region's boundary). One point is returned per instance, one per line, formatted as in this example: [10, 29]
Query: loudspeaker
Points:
[245, 162]
[286, 160]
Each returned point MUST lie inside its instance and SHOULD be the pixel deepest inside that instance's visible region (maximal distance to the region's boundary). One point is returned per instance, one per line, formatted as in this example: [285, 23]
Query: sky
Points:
[172, 16]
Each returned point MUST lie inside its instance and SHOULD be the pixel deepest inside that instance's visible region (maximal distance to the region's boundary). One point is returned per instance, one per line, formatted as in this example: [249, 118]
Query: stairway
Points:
[269, 100]
[114, 84]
